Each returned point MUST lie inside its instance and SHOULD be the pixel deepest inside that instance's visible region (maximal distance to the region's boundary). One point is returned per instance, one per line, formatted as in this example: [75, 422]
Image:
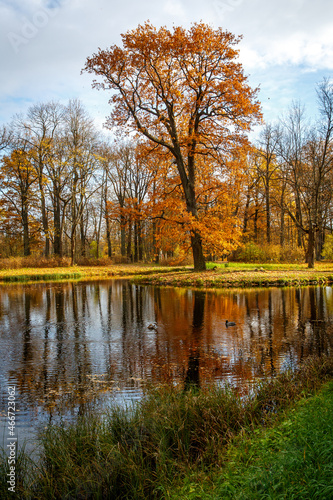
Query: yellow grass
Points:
[246, 275]
[28, 274]
[223, 275]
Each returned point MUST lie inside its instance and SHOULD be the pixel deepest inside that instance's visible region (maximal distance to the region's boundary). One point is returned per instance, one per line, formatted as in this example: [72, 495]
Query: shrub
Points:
[251, 252]
[34, 261]
[181, 260]
[92, 261]
[121, 259]
[328, 247]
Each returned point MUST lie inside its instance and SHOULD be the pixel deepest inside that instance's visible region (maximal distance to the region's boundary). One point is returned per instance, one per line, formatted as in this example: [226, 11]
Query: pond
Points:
[72, 347]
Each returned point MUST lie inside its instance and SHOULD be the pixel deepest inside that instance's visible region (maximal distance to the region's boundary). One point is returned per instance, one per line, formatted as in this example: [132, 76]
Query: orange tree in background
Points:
[185, 92]
[17, 194]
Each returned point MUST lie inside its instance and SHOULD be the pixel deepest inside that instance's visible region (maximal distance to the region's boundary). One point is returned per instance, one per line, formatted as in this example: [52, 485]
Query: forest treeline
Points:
[67, 189]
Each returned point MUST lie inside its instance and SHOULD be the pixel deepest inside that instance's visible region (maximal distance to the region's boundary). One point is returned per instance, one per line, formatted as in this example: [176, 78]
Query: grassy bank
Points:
[292, 459]
[32, 274]
[244, 275]
[217, 275]
[189, 444]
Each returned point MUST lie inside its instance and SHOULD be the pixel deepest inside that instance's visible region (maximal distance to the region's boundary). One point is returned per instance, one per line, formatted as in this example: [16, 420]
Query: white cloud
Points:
[43, 49]
[174, 8]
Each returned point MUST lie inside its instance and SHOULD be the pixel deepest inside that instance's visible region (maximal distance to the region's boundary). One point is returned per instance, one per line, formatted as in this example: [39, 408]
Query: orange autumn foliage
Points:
[184, 91]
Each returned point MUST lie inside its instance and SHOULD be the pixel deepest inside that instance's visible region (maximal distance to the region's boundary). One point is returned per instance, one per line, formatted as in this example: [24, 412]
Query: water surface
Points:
[73, 346]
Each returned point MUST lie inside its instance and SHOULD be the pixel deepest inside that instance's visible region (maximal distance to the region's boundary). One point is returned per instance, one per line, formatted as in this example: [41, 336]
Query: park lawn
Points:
[244, 275]
[217, 274]
[30, 274]
[292, 459]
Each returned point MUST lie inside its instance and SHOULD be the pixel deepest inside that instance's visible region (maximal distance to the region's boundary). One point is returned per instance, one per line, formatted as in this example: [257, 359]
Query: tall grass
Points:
[145, 451]
[39, 261]
[36, 261]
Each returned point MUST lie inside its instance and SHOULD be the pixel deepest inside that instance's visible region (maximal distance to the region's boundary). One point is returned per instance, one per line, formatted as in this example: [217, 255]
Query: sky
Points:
[286, 50]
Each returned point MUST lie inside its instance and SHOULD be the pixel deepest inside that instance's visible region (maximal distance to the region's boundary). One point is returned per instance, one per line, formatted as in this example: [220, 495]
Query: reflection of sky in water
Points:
[75, 347]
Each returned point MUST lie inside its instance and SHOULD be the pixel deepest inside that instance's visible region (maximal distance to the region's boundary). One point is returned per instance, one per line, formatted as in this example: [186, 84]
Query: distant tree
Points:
[40, 127]
[292, 147]
[118, 160]
[308, 154]
[82, 149]
[267, 152]
[185, 92]
[6, 136]
[18, 178]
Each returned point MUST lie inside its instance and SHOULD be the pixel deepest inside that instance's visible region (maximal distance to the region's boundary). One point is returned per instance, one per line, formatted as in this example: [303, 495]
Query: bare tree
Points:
[40, 127]
[82, 157]
[119, 160]
[267, 166]
[308, 159]
[6, 135]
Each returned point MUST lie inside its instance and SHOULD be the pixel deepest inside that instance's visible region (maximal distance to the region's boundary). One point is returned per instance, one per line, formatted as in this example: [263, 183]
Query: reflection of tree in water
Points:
[51, 330]
[285, 326]
[192, 375]
[27, 353]
[320, 339]
[270, 334]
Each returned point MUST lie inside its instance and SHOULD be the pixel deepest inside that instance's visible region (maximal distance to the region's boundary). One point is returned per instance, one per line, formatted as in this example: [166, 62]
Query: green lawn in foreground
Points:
[190, 444]
[292, 460]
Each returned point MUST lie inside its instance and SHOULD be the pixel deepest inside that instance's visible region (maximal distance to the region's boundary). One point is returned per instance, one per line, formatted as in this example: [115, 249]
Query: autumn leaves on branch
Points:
[180, 173]
[186, 94]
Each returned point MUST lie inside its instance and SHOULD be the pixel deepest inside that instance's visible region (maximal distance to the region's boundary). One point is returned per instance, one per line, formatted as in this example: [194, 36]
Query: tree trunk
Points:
[299, 220]
[246, 212]
[255, 225]
[310, 254]
[26, 237]
[268, 215]
[45, 225]
[135, 241]
[83, 239]
[122, 235]
[45, 222]
[320, 244]
[57, 247]
[129, 241]
[108, 237]
[156, 253]
[188, 183]
[73, 236]
[198, 256]
[140, 242]
[282, 219]
[282, 227]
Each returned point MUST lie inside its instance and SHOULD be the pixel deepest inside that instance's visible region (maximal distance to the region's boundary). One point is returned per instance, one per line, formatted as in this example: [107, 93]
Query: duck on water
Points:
[229, 323]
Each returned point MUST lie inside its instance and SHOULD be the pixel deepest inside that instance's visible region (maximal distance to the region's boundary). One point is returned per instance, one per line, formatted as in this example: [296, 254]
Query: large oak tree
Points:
[185, 91]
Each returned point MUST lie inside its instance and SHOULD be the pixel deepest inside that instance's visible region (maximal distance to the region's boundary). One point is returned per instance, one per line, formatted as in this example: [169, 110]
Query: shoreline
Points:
[180, 444]
[245, 280]
[223, 276]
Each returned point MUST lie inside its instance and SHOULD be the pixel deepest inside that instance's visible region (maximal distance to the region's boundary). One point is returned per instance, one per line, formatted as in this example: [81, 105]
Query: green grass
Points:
[249, 266]
[235, 274]
[225, 274]
[184, 444]
[18, 278]
[292, 460]
[31, 274]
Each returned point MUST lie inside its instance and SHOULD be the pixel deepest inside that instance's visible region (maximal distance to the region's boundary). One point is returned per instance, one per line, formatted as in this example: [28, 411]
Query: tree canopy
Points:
[185, 92]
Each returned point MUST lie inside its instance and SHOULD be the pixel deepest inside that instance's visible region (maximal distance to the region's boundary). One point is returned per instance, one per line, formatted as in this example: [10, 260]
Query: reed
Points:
[151, 448]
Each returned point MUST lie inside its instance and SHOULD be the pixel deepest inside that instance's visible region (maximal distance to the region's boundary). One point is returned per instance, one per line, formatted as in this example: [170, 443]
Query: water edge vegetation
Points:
[188, 443]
